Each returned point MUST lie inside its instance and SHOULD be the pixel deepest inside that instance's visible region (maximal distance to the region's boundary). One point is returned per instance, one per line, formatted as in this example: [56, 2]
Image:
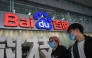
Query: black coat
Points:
[61, 52]
[87, 48]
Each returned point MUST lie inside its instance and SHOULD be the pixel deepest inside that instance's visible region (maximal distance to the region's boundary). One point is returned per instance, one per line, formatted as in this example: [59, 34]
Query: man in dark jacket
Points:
[58, 51]
[83, 45]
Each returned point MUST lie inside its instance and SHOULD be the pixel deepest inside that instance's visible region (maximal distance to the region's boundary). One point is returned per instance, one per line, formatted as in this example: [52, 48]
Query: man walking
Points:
[82, 47]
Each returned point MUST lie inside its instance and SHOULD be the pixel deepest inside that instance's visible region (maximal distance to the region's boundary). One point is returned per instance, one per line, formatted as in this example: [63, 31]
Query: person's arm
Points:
[66, 53]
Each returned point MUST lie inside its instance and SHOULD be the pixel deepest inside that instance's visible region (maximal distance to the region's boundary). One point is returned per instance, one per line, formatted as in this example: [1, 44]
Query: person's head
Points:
[75, 30]
[53, 41]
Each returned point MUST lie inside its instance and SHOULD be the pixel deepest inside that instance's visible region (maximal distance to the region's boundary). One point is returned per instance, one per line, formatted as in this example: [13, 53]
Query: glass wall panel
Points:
[5, 5]
[70, 3]
[90, 20]
[64, 1]
[51, 13]
[41, 9]
[75, 4]
[31, 8]
[65, 15]
[73, 17]
[24, 8]
[59, 15]
[57, 0]
[19, 7]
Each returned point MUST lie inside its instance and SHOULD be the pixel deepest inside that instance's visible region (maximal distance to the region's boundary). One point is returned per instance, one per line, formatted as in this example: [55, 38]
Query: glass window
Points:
[59, 15]
[17, 10]
[51, 13]
[86, 8]
[83, 7]
[73, 18]
[65, 15]
[78, 19]
[70, 3]
[41, 9]
[57, 0]
[19, 4]
[90, 9]
[20, 10]
[80, 6]
[89, 20]
[30, 9]
[31, 4]
[75, 5]
[5, 5]
[83, 19]
[19, 7]
[24, 8]
[64, 1]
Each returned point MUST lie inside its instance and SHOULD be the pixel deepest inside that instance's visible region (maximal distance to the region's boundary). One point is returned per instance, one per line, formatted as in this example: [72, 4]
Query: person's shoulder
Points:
[88, 38]
[62, 47]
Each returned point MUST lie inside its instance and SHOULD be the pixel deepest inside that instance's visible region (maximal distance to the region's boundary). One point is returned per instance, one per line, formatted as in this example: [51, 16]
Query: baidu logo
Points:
[44, 21]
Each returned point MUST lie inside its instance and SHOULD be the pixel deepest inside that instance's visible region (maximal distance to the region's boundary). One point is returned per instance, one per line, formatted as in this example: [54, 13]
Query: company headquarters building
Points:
[67, 11]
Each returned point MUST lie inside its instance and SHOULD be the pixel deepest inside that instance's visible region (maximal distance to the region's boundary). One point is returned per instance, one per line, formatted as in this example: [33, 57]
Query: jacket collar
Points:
[87, 38]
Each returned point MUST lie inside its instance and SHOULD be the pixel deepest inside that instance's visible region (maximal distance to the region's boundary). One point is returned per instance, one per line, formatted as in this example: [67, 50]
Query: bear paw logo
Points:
[44, 21]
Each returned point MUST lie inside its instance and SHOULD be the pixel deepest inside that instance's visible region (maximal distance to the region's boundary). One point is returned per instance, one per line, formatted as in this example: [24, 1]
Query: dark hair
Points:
[50, 38]
[74, 26]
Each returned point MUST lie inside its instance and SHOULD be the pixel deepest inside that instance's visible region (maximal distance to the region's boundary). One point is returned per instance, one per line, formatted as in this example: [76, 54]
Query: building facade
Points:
[26, 19]
[56, 9]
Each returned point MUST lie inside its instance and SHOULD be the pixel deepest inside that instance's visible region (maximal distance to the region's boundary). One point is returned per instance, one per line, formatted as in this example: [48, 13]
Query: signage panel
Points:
[39, 21]
[43, 21]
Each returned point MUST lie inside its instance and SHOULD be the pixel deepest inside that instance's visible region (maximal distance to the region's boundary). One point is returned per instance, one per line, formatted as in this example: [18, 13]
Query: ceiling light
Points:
[13, 11]
[53, 17]
[63, 18]
[29, 13]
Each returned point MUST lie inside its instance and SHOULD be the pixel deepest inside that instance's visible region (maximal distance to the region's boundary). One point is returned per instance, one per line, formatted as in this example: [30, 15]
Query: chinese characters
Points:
[39, 48]
[60, 25]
